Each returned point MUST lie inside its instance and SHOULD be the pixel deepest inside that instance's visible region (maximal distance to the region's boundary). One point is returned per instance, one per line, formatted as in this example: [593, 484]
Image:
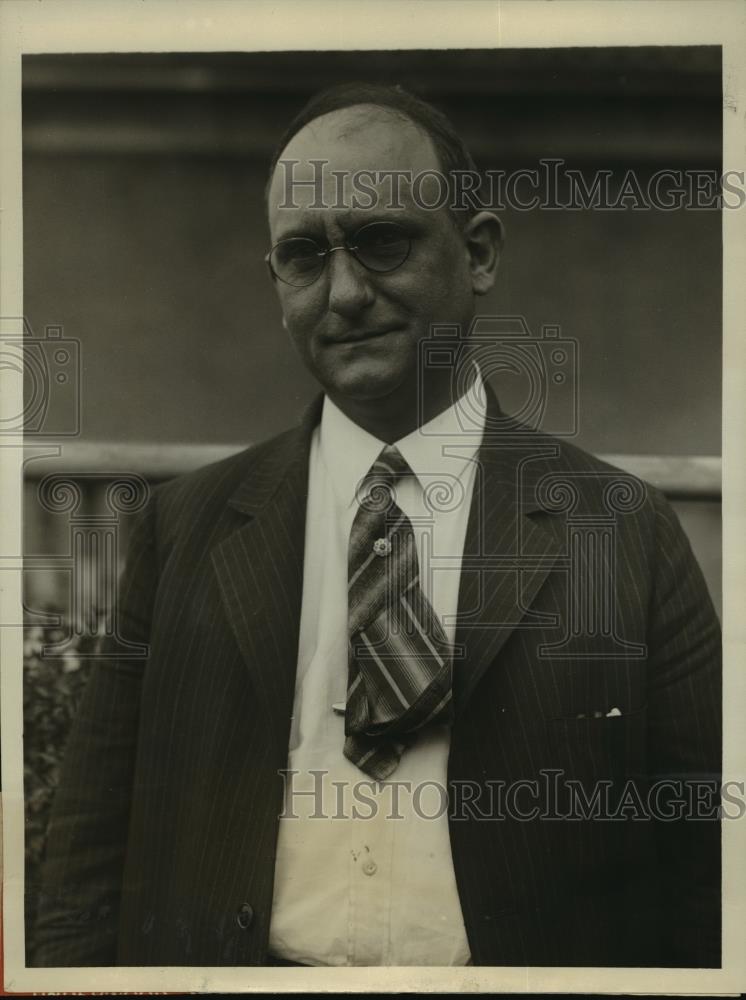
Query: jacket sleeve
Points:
[685, 746]
[77, 914]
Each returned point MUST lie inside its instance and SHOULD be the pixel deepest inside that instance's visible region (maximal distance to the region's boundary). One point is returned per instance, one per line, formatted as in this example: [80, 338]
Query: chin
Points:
[365, 383]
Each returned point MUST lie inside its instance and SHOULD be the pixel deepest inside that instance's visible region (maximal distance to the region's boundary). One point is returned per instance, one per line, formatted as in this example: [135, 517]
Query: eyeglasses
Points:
[379, 246]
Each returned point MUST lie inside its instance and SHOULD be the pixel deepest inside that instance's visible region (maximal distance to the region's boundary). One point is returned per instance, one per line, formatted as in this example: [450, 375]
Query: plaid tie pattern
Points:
[400, 665]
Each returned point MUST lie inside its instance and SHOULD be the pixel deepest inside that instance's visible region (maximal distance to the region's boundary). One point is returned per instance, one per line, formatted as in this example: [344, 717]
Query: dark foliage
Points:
[55, 670]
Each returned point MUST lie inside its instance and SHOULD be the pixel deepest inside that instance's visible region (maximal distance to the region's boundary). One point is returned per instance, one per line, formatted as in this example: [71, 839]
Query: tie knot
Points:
[375, 492]
[390, 465]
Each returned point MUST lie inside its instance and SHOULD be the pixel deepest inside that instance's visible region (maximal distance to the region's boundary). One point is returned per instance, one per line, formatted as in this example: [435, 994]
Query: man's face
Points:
[358, 331]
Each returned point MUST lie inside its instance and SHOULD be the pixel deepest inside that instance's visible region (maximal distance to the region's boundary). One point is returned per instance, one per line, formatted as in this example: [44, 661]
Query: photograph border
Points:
[194, 25]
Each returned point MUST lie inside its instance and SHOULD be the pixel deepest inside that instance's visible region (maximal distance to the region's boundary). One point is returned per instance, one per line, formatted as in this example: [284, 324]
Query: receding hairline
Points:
[390, 105]
[367, 112]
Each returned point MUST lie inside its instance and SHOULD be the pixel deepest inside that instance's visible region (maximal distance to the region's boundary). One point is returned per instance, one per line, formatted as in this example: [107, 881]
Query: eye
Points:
[299, 252]
[297, 257]
[381, 235]
[382, 245]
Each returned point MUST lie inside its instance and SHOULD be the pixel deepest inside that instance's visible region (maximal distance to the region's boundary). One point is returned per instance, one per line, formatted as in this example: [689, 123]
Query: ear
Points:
[484, 235]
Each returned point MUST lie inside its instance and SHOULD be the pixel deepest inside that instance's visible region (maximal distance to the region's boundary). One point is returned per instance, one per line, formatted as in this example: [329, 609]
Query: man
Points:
[411, 591]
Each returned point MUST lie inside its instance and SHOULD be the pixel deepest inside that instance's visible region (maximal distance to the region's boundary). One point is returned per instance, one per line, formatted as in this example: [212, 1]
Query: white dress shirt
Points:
[364, 874]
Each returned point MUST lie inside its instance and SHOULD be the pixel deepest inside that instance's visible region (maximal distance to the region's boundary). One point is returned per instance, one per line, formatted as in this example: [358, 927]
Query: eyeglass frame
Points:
[343, 246]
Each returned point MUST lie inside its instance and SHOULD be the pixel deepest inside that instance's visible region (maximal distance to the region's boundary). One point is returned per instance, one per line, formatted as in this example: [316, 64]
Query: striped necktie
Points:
[400, 665]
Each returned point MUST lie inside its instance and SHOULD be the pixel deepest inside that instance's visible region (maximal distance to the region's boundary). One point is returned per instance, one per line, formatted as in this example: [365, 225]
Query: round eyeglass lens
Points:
[297, 261]
[381, 246]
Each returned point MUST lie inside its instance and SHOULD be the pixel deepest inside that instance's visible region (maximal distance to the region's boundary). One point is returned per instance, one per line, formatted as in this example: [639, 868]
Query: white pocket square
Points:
[611, 714]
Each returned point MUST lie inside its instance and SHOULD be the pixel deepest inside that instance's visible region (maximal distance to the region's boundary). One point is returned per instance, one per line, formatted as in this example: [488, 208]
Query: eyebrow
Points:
[350, 221]
[297, 233]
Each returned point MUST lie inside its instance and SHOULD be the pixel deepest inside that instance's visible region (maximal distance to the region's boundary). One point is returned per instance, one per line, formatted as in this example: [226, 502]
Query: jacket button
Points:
[245, 916]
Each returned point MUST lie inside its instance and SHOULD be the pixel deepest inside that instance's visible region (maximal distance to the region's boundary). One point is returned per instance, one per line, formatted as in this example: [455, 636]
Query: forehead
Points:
[336, 149]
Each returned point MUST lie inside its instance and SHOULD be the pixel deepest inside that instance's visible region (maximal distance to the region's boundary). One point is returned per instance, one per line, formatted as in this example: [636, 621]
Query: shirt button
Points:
[382, 546]
[245, 916]
[370, 868]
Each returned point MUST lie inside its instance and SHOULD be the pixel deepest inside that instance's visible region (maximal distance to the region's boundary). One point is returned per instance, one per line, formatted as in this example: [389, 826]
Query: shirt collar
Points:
[348, 451]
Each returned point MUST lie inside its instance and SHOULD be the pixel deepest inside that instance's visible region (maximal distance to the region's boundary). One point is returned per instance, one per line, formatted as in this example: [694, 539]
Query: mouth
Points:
[357, 336]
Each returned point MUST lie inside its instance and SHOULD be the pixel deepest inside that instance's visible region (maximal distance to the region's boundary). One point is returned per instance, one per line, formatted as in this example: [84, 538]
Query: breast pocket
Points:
[608, 747]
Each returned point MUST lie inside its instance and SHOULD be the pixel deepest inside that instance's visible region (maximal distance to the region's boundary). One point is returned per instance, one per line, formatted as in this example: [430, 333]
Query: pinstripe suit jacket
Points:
[162, 842]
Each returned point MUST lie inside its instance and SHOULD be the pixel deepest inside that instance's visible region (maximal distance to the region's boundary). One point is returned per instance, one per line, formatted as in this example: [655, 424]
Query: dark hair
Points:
[449, 146]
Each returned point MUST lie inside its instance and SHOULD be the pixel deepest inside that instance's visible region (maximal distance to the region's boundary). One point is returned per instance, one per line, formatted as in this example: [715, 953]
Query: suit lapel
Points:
[507, 553]
[260, 570]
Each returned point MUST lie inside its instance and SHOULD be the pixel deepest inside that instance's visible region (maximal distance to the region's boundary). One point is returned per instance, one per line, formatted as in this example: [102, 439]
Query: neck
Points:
[393, 417]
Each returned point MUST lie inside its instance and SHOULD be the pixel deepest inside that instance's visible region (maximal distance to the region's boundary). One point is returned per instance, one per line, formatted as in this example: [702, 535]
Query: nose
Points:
[350, 289]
